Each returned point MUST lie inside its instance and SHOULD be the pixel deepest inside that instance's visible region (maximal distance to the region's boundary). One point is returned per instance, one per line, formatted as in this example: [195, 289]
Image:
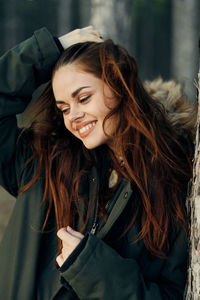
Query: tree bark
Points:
[193, 286]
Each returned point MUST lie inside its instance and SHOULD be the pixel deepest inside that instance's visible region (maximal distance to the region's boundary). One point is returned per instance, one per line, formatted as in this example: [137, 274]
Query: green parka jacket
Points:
[105, 268]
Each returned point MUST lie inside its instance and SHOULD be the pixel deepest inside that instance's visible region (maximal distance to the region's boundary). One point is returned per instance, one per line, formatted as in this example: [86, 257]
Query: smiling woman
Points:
[87, 101]
[100, 174]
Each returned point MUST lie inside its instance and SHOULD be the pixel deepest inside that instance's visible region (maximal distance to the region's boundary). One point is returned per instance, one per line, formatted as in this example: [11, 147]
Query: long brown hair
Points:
[154, 161]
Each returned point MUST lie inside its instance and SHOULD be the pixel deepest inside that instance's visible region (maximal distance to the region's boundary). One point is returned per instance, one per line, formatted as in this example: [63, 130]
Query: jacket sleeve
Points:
[22, 70]
[99, 272]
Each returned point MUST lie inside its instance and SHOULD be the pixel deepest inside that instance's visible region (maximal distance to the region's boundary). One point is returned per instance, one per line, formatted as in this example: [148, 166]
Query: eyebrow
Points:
[74, 94]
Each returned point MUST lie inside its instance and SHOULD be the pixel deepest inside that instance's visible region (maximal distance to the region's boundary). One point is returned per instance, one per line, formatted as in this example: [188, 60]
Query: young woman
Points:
[100, 176]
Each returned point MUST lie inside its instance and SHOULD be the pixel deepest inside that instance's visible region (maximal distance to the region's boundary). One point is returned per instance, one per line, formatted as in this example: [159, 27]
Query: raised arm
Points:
[22, 70]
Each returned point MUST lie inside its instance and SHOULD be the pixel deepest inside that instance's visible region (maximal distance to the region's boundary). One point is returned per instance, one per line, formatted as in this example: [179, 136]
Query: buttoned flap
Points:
[122, 196]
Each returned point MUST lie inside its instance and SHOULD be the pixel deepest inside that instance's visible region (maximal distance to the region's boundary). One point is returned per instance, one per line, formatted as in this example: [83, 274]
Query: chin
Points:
[91, 145]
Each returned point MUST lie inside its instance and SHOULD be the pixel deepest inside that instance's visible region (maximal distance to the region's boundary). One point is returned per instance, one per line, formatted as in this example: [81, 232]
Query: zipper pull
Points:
[94, 228]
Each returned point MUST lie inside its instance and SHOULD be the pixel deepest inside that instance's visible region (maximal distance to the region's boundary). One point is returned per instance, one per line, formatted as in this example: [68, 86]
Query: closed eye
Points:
[65, 111]
[82, 100]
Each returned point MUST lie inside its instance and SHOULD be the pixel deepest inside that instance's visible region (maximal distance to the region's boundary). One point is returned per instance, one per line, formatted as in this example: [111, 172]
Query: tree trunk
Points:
[85, 10]
[64, 17]
[123, 17]
[102, 17]
[11, 25]
[113, 19]
[147, 46]
[193, 288]
[185, 35]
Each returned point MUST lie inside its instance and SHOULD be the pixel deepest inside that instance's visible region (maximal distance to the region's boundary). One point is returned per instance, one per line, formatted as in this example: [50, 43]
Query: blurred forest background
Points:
[161, 34]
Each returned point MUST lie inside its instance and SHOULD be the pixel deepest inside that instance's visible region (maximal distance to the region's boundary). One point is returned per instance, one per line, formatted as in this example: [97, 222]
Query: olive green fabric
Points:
[107, 267]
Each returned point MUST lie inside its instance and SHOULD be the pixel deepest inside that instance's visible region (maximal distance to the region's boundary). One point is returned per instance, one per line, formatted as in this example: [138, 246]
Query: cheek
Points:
[103, 111]
[111, 124]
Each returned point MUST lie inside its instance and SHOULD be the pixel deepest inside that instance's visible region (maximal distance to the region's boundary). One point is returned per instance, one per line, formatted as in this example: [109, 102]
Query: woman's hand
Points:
[70, 240]
[86, 34]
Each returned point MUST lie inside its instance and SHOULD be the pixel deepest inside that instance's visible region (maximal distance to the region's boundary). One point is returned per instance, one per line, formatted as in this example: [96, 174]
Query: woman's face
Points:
[85, 100]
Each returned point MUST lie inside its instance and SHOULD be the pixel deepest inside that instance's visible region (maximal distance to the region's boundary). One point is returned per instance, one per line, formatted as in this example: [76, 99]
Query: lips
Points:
[81, 125]
[85, 128]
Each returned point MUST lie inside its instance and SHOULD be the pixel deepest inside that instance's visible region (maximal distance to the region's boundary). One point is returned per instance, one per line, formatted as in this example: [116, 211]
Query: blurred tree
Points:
[113, 19]
[186, 30]
[123, 20]
[36, 14]
[63, 17]
[102, 17]
[69, 16]
[11, 23]
[75, 14]
[142, 26]
[145, 37]
[2, 23]
[85, 13]
[153, 31]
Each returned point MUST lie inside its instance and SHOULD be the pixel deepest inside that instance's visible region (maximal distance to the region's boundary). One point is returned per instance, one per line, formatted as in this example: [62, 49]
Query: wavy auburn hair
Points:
[154, 161]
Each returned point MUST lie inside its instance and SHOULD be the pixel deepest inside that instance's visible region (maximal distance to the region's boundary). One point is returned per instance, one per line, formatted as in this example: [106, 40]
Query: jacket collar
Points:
[122, 197]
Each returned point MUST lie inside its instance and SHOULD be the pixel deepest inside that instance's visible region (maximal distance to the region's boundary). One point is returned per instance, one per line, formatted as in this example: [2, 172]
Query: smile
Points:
[85, 128]
[84, 131]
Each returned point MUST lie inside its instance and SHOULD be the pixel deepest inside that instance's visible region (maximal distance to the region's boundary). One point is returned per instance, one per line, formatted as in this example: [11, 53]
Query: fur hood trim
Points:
[181, 113]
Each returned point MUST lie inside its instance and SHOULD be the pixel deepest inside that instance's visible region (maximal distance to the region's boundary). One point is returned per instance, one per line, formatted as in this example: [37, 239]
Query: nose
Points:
[75, 114]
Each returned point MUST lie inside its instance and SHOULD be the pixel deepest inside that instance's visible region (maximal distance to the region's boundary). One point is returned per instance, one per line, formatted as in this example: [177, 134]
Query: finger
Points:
[96, 33]
[97, 39]
[88, 27]
[90, 31]
[63, 234]
[67, 237]
[59, 260]
[90, 38]
[74, 233]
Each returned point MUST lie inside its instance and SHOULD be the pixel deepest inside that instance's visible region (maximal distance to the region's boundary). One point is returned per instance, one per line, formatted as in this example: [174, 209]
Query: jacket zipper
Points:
[95, 223]
[94, 228]
[108, 205]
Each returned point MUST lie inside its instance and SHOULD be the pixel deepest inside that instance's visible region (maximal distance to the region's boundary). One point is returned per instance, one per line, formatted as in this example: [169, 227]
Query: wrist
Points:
[58, 44]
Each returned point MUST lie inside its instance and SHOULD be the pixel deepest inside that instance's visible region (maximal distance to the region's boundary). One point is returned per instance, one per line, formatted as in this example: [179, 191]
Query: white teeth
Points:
[85, 128]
